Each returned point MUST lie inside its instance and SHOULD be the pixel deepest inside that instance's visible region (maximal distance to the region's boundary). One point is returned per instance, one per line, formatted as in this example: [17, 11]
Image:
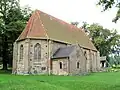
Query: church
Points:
[49, 45]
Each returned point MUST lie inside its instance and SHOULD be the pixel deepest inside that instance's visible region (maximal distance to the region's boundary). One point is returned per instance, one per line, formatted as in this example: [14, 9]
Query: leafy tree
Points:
[104, 39]
[75, 23]
[107, 4]
[84, 26]
[12, 22]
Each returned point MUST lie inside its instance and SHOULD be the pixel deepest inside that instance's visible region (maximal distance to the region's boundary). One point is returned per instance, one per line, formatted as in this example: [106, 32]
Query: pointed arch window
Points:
[60, 65]
[85, 54]
[78, 65]
[37, 52]
[21, 52]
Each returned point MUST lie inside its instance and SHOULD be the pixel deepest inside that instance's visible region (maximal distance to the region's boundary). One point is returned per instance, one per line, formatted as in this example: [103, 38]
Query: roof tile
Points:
[42, 25]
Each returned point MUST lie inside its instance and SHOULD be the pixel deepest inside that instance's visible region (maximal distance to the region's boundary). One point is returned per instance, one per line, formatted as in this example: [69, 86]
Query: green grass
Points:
[95, 81]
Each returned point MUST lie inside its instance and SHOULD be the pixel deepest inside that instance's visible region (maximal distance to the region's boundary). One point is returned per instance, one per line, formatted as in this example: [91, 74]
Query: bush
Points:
[114, 68]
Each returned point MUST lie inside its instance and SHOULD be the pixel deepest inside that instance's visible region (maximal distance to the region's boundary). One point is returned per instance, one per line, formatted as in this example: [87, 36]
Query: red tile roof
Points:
[33, 28]
[42, 25]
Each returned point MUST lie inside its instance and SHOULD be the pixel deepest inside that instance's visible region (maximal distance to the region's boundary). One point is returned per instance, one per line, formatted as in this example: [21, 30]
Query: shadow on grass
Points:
[9, 71]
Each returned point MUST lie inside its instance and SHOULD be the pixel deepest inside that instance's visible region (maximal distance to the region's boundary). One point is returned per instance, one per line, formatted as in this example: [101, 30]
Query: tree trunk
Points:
[4, 52]
[4, 64]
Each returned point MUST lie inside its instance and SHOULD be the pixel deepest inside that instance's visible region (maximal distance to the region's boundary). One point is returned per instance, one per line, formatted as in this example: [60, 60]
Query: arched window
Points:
[21, 52]
[60, 65]
[85, 54]
[37, 52]
[78, 65]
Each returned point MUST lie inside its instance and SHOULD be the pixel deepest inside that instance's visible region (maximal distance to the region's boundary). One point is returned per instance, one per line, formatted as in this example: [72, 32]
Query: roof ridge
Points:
[43, 25]
[30, 28]
[27, 26]
[38, 13]
[56, 52]
[61, 21]
[69, 25]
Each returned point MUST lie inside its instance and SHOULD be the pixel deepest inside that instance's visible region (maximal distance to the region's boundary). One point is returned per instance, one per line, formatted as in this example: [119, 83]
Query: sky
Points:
[75, 10]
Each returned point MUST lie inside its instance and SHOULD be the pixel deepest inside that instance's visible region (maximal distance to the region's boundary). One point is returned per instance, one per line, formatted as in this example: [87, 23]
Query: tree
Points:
[105, 40]
[85, 26]
[75, 23]
[107, 4]
[12, 22]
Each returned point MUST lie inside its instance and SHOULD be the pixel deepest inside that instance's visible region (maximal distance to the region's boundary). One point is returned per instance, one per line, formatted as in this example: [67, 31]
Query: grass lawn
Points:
[95, 81]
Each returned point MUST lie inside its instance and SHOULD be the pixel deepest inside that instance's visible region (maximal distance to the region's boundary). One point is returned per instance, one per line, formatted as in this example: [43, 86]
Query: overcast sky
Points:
[75, 10]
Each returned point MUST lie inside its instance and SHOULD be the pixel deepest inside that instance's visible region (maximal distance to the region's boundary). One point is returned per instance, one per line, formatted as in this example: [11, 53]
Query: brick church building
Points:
[50, 45]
